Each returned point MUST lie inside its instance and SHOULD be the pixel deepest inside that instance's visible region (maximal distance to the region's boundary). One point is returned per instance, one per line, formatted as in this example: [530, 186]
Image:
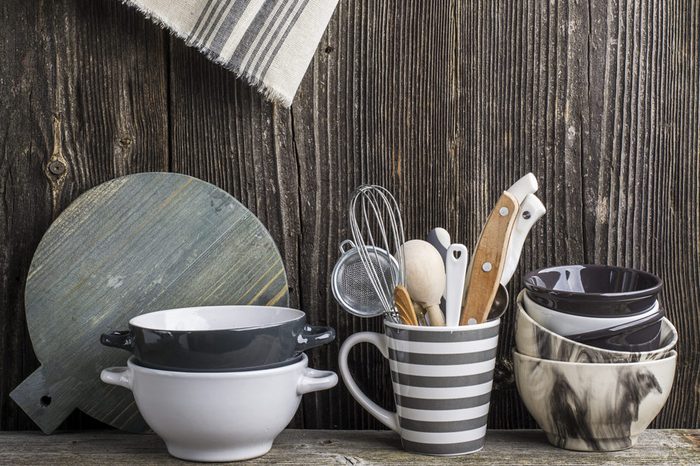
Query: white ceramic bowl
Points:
[219, 416]
[571, 324]
[593, 407]
[532, 339]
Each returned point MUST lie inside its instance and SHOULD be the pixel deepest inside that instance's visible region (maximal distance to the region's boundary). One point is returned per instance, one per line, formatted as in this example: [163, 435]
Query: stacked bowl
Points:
[594, 359]
[219, 383]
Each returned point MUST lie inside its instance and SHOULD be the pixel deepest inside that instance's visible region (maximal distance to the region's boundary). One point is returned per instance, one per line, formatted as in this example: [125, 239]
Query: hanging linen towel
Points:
[269, 43]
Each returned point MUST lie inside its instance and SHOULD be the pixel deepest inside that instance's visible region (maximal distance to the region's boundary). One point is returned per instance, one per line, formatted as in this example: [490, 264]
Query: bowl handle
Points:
[312, 336]
[122, 339]
[121, 376]
[314, 380]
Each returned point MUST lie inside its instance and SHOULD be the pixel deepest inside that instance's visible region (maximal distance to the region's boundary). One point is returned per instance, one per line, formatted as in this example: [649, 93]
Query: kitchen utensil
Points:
[440, 239]
[500, 303]
[219, 416]
[374, 213]
[593, 290]
[139, 243]
[405, 306]
[593, 407]
[488, 259]
[523, 187]
[425, 277]
[532, 339]
[218, 338]
[455, 273]
[442, 378]
[351, 284]
[531, 209]
[572, 324]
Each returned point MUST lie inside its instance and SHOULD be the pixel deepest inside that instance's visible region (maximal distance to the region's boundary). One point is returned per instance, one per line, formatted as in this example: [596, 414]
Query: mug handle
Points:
[314, 380]
[388, 418]
[122, 339]
[312, 336]
[120, 376]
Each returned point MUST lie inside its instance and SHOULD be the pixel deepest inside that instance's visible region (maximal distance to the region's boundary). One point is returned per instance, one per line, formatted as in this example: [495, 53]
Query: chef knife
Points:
[488, 260]
[531, 210]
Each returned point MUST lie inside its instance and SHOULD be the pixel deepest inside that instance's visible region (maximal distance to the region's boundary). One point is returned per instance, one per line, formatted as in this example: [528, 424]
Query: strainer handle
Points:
[388, 418]
[343, 244]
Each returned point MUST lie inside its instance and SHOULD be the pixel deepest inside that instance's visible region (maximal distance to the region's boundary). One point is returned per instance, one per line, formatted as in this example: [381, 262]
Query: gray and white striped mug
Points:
[442, 378]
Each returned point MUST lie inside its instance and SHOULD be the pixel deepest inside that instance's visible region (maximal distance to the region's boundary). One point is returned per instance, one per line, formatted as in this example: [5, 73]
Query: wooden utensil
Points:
[489, 257]
[136, 244]
[403, 303]
[425, 277]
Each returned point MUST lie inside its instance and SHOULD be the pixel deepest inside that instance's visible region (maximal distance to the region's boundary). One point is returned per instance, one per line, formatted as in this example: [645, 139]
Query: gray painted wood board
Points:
[136, 244]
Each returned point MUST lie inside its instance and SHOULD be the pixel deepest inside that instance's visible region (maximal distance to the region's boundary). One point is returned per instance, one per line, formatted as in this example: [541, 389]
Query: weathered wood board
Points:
[313, 447]
[445, 102]
[136, 244]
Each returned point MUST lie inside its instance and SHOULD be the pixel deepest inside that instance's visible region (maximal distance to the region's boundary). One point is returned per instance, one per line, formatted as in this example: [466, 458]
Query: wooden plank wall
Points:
[444, 102]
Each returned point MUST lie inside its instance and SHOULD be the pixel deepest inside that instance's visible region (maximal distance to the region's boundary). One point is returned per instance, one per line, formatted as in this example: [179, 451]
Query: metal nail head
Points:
[486, 267]
[503, 211]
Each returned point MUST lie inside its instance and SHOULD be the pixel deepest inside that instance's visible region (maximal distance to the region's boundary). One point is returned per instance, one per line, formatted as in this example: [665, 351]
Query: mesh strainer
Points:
[350, 284]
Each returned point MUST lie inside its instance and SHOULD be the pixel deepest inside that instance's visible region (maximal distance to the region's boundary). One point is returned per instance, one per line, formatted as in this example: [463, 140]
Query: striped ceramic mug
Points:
[442, 378]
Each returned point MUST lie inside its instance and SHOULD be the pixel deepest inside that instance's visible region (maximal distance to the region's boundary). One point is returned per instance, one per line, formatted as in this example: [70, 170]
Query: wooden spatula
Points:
[489, 257]
[404, 305]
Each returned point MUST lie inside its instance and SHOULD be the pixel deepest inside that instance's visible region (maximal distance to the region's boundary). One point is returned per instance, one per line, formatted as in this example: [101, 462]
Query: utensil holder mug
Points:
[442, 379]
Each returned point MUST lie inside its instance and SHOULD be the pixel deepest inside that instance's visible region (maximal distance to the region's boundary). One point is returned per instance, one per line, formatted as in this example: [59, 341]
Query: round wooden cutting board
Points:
[136, 244]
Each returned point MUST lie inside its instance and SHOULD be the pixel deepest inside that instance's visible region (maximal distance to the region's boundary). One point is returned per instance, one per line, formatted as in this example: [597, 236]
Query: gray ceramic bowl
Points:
[534, 340]
[593, 290]
[593, 407]
[219, 338]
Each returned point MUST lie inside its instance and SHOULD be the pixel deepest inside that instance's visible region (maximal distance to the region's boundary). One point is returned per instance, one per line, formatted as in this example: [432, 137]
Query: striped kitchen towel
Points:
[270, 43]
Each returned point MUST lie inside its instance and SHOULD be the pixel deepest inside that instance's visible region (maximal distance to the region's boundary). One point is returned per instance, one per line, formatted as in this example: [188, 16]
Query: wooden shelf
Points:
[310, 447]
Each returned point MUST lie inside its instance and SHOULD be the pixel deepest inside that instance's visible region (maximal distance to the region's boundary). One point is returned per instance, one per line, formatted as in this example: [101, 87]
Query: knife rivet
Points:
[486, 267]
[527, 215]
[503, 211]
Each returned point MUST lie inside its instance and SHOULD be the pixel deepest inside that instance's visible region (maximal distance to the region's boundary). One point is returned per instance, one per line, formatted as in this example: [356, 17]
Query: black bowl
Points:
[593, 290]
[218, 338]
[637, 336]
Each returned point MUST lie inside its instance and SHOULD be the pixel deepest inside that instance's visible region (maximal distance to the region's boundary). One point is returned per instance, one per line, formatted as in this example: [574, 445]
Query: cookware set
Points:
[594, 359]
[181, 276]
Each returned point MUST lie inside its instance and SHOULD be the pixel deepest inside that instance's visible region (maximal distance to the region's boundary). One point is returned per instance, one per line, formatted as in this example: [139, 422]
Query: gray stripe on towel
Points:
[251, 33]
[228, 25]
[281, 39]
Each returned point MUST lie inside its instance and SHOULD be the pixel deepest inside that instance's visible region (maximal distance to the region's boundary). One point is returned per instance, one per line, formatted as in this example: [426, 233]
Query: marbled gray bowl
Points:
[590, 406]
[532, 339]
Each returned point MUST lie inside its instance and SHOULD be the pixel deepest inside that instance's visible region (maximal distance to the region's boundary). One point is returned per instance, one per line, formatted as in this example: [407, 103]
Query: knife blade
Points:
[488, 260]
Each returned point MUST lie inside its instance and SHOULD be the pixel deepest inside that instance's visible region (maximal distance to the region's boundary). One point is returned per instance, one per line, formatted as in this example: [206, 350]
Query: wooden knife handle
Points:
[489, 259]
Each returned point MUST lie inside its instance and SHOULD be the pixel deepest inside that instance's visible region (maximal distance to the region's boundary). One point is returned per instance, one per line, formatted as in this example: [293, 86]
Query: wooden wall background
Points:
[444, 102]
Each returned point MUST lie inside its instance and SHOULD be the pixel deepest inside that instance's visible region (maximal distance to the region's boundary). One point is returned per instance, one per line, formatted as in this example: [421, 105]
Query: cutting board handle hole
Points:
[45, 400]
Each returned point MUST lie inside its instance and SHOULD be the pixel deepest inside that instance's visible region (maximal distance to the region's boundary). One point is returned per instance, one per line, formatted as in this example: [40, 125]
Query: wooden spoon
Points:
[425, 277]
[403, 303]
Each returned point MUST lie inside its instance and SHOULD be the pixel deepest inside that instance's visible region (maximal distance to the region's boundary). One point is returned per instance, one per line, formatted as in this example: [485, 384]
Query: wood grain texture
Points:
[446, 103]
[311, 447]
